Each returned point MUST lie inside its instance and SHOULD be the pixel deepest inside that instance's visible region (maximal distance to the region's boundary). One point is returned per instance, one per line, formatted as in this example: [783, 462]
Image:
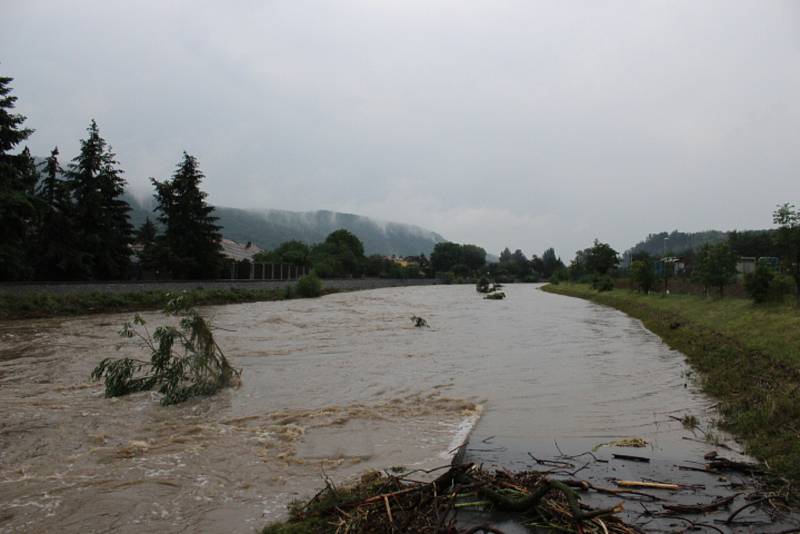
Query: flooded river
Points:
[331, 387]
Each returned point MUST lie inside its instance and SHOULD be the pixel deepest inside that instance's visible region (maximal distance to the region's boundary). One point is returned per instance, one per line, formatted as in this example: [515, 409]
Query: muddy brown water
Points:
[332, 387]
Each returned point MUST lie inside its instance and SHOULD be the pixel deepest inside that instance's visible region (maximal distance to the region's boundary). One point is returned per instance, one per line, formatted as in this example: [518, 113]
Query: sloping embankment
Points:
[42, 300]
[748, 357]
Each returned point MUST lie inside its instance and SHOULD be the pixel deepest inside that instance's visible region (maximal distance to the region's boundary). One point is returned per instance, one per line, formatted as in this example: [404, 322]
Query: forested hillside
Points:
[270, 228]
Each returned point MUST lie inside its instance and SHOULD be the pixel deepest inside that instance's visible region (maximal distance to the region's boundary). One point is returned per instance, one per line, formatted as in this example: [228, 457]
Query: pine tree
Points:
[104, 228]
[147, 247]
[58, 255]
[192, 241]
[51, 185]
[17, 181]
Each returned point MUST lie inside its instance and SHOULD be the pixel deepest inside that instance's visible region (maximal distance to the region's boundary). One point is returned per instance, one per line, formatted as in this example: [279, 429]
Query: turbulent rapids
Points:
[331, 388]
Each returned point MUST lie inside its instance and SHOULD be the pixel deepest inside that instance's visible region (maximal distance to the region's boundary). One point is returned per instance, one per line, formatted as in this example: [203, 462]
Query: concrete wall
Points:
[135, 287]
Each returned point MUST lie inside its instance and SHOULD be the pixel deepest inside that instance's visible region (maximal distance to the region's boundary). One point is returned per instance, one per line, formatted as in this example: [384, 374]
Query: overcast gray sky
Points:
[518, 123]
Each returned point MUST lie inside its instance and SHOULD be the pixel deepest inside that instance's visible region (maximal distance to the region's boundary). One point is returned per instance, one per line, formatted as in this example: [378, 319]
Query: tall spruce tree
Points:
[58, 254]
[18, 208]
[102, 217]
[147, 247]
[191, 242]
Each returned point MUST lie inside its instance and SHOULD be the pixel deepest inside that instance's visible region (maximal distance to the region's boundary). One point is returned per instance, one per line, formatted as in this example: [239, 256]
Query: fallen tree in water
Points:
[483, 285]
[395, 503]
[419, 322]
[185, 361]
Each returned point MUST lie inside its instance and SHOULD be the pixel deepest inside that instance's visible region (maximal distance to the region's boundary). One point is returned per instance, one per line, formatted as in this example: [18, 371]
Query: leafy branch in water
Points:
[185, 361]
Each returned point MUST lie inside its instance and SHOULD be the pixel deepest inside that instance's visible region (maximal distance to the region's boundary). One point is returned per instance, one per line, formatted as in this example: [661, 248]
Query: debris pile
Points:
[396, 503]
[490, 289]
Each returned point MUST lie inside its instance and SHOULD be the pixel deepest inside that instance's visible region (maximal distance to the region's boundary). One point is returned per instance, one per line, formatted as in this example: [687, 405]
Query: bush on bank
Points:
[309, 286]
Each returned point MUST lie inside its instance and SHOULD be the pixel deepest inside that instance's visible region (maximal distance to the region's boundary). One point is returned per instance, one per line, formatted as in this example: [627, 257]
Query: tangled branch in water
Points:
[185, 361]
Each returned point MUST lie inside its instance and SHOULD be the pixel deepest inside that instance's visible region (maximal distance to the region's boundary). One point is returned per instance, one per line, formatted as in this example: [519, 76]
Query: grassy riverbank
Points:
[43, 305]
[748, 357]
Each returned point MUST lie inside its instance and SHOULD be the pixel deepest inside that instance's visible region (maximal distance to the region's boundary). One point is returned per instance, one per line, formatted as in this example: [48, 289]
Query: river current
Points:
[331, 387]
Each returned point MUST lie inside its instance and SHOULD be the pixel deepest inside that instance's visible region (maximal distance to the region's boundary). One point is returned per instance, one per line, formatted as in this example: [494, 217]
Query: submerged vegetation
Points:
[747, 355]
[185, 361]
[394, 503]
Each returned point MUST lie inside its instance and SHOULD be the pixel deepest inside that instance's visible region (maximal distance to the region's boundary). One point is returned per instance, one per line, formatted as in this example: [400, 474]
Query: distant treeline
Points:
[767, 261]
[341, 255]
[461, 262]
[755, 243]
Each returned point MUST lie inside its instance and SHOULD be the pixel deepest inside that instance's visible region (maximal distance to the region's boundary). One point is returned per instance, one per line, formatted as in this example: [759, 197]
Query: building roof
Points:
[237, 251]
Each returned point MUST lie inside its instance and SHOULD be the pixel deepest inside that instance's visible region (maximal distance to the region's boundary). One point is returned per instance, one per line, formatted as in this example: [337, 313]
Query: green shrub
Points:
[643, 274]
[782, 285]
[326, 268]
[759, 282]
[603, 283]
[560, 275]
[766, 285]
[309, 286]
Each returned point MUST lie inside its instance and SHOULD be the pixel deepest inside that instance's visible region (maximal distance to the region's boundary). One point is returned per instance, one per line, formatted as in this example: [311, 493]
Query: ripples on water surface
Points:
[334, 385]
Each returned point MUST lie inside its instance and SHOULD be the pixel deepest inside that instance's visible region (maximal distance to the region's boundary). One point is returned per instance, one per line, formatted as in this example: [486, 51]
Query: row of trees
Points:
[74, 224]
[777, 271]
[340, 255]
[461, 260]
[713, 266]
[469, 261]
[516, 266]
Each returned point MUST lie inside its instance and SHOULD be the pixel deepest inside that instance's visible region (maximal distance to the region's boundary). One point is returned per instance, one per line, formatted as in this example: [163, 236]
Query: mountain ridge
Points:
[269, 227]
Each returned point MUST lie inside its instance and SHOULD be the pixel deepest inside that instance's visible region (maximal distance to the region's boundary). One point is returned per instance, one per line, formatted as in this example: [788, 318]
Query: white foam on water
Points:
[461, 435]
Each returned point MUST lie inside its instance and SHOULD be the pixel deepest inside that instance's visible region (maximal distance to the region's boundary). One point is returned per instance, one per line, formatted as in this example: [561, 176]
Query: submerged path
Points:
[331, 387]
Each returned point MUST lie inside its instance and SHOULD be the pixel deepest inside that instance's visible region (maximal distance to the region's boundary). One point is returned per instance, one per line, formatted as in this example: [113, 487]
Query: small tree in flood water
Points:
[185, 361]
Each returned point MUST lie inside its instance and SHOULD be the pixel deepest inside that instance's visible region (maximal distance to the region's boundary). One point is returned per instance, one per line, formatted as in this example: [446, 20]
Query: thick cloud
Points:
[513, 123]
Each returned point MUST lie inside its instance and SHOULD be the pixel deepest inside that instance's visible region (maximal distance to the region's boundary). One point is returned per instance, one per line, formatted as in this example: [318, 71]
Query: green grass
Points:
[748, 356]
[42, 305]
